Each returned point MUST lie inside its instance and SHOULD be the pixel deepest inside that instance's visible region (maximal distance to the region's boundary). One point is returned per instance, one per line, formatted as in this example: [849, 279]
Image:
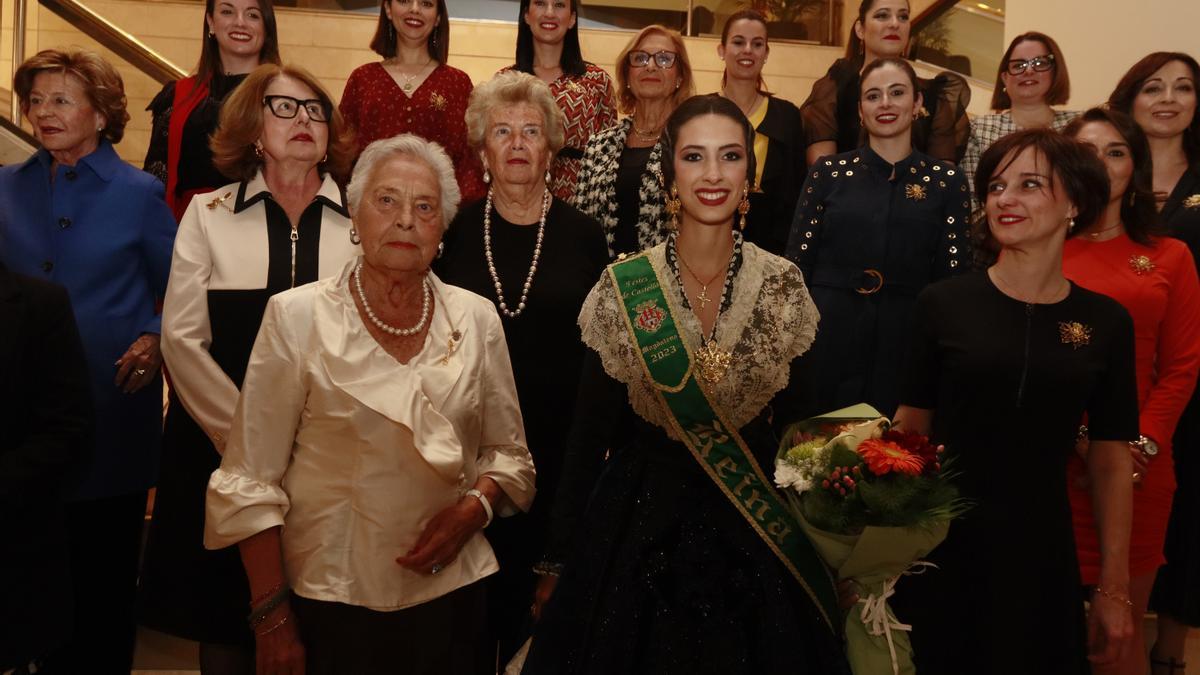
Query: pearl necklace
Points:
[427, 296]
[537, 253]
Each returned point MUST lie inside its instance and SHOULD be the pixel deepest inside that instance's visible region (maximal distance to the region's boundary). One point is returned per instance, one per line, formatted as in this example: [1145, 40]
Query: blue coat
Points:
[102, 230]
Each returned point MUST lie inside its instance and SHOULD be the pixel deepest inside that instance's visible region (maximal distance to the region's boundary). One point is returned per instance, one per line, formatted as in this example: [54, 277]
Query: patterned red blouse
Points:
[589, 107]
[375, 105]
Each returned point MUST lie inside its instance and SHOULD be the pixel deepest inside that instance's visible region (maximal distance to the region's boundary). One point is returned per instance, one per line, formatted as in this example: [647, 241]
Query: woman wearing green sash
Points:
[674, 551]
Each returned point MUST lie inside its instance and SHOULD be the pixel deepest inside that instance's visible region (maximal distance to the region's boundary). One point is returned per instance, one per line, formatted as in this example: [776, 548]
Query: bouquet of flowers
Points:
[873, 500]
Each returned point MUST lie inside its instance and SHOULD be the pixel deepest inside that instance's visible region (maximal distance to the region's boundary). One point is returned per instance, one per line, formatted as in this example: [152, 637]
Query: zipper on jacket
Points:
[295, 237]
[1025, 363]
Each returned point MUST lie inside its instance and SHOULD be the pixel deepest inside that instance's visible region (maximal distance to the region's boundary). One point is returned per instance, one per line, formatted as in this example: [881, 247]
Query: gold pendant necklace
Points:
[712, 361]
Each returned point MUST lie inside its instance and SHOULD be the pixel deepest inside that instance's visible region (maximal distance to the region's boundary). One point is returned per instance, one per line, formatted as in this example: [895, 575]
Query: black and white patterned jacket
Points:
[596, 191]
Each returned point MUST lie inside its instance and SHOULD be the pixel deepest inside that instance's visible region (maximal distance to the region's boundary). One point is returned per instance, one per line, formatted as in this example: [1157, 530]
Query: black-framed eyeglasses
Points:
[641, 59]
[287, 107]
[1039, 63]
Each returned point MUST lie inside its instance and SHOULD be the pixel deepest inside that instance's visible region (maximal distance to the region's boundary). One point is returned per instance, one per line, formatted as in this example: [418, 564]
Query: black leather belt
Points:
[867, 280]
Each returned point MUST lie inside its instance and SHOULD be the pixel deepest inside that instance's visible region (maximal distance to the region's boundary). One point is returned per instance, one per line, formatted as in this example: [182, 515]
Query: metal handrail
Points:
[129, 48]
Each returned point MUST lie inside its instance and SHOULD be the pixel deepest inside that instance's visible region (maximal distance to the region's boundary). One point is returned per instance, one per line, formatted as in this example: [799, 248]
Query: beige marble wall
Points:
[331, 45]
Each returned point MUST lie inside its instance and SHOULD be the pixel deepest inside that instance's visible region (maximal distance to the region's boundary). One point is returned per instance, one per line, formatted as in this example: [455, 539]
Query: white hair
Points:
[418, 148]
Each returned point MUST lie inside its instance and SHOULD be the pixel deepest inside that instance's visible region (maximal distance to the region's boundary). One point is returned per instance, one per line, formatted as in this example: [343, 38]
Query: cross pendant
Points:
[703, 298]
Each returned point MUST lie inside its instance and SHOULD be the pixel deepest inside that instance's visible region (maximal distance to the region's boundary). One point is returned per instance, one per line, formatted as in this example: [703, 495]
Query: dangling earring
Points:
[547, 176]
[441, 248]
[258, 151]
[673, 207]
[211, 34]
[744, 206]
[1070, 224]
[487, 177]
[354, 238]
[1131, 196]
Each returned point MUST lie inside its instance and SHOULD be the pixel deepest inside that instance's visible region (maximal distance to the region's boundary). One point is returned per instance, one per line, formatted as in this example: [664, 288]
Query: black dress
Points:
[1008, 383]
[661, 573]
[1177, 588]
[546, 354]
[185, 589]
[855, 221]
[831, 112]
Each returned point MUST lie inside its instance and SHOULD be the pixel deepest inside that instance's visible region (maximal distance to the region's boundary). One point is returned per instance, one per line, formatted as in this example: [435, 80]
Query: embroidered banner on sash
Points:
[716, 445]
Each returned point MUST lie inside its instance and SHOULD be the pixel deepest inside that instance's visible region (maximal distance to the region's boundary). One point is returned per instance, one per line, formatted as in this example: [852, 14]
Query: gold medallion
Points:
[914, 192]
[437, 101]
[1192, 202]
[712, 362]
[1141, 264]
[1074, 333]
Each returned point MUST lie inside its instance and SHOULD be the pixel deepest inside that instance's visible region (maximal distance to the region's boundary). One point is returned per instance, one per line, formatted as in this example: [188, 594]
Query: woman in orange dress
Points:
[1155, 279]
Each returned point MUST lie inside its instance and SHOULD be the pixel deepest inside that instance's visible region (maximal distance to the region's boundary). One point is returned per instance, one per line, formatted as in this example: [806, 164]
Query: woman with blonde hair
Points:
[620, 182]
[77, 215]
[535, 257]
[282, 225]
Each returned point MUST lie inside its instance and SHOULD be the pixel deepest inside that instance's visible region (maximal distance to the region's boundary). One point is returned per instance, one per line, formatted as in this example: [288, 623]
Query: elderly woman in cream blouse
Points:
[377, 433]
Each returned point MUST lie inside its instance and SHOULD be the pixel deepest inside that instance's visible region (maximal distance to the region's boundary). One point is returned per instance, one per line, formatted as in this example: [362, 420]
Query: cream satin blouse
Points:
[353, 452]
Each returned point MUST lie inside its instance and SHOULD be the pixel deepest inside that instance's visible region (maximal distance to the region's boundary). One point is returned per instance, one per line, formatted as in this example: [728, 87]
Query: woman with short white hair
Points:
[377, 434]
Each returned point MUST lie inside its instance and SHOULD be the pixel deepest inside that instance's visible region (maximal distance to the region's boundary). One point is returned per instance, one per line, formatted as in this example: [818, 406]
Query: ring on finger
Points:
[139, 372]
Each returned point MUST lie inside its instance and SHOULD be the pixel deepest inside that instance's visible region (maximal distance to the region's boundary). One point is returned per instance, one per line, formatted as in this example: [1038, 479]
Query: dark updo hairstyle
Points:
[1137, 204]
[854, 46]
[1060, 80]
[744, 15]
[210, 54]
[1080, 172]
[890, 61]
[571, 62]
[385, 43]
[1130, 86]
[696, 106]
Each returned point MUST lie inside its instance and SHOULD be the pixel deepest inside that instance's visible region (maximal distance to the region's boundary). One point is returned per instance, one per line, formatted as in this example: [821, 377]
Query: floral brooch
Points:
[437, 101]
[1141, 264]
[1192, 202]
[1074, 333]
[915, 192]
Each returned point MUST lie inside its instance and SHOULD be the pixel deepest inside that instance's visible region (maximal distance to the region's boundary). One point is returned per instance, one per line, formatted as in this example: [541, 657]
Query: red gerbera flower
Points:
[917, 444]
[884, 457]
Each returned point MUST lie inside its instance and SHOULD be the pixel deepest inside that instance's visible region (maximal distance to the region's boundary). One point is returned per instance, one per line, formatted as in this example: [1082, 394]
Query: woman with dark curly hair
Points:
[283, 225]
[77, 215]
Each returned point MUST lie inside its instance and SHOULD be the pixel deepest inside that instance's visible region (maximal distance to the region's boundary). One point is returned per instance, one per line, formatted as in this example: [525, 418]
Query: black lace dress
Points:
[661, 573]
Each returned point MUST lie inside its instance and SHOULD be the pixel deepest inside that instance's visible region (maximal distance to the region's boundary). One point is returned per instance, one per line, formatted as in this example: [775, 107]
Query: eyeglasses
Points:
[286, 107]
[641, 59]
[1039, 64]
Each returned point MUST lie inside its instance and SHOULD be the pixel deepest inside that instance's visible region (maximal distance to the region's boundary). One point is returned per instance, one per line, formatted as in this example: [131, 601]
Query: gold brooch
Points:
[1142, 264]
[1074, 333]
[712, 362]
[914, 192]
[1192, 202]
[574, 86]
[452, 346]
[216, 201]
[437, 101]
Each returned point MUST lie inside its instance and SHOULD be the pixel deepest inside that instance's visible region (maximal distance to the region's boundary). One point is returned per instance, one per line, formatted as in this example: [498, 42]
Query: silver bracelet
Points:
[487, 506]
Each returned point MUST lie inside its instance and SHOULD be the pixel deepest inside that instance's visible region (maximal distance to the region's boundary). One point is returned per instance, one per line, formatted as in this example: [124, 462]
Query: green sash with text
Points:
[714, 443]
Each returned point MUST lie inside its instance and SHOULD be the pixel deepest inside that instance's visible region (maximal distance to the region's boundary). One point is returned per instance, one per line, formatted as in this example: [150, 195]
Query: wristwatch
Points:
[1147, 446]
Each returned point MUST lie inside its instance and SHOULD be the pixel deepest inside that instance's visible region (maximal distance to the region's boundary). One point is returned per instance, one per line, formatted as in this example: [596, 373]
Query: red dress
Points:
[1158, 286]
[375, 105]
